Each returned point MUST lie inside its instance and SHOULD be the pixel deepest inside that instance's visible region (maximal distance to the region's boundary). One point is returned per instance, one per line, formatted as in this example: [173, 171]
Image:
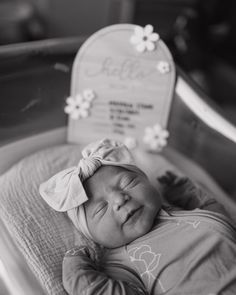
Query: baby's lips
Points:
[130, 214]
[126, 215]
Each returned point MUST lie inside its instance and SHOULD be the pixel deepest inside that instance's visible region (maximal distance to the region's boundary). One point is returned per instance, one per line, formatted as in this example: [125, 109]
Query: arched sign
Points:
[123, 80]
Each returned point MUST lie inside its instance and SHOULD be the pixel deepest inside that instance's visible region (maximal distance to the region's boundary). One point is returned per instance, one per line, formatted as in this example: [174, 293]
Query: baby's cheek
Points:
[155, 200]
[147, 220]
[107, 233]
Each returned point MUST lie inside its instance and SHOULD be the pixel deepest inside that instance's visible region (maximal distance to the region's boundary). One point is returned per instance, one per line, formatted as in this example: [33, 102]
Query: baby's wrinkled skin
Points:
[122, 205]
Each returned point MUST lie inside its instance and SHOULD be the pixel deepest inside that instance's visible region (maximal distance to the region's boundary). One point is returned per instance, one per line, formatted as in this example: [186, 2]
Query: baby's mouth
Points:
[132, 215]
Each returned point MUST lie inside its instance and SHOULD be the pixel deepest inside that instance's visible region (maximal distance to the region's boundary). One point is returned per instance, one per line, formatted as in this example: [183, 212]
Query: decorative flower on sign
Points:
[89, 94]
[130, 142]
[144, 38]
[78, 106]
[156, 137]
[163, 67]
[147, 260]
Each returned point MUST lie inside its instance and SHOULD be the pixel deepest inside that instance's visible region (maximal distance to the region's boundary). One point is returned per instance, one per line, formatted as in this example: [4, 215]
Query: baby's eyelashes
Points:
[129, 182]
[116, 203]
[100, 209]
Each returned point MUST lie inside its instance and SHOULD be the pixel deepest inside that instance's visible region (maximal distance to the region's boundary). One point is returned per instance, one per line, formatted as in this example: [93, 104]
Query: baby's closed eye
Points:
[100, 209]
[129, 182]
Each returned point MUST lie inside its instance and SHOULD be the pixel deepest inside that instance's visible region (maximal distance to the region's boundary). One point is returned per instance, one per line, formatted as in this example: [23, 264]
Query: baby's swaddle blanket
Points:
[187, 252]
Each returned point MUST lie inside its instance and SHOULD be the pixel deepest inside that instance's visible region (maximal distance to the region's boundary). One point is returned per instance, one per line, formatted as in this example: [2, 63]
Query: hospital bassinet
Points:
[34, 83]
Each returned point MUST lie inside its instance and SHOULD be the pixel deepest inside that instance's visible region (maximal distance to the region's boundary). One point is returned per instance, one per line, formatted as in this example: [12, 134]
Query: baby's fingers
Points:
[168, 178]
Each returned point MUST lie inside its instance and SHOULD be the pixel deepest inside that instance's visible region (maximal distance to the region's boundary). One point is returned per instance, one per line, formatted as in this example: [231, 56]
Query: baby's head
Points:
[107, 197]
[121, 206]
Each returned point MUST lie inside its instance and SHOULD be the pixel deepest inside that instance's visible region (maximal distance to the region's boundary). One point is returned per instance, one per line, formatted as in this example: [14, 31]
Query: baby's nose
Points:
[119, 201]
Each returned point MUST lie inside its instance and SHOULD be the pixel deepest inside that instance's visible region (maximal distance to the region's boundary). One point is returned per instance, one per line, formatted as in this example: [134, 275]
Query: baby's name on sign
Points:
[121, 90]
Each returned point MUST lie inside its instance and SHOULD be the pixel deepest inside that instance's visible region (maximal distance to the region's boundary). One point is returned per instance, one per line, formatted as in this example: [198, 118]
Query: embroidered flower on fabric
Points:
[144, 38]
[156, 137]
[146, 260]
[78, 107]
[130, 142]
[163, 67]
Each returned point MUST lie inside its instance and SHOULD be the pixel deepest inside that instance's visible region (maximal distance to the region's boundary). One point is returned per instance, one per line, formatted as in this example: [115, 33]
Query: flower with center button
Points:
[156, 137]
[88, 94]
[78, 106]
[163, 67]
[144, 38]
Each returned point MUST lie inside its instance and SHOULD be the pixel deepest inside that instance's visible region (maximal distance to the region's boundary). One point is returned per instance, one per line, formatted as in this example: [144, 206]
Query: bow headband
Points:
[64, 191]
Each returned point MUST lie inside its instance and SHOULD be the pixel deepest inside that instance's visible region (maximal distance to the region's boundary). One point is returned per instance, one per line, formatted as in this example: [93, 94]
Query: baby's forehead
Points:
[113, 176]
[110, 176]
[107, 175]
[104, 180]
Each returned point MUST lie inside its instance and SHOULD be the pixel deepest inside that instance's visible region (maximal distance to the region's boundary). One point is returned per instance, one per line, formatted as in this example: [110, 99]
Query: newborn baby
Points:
[147, 248]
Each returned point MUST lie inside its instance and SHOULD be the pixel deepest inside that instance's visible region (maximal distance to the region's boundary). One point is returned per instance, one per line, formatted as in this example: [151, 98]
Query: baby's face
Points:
[122, 205]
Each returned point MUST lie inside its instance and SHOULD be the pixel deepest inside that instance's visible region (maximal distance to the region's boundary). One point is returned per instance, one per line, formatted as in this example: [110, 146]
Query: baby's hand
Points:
[172, 180]
[87, 255]
[175, 188]
[181, 192]
[81, 275]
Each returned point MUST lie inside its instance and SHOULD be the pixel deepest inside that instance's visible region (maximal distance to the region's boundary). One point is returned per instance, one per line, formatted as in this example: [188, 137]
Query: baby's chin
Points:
[139, 230]
[113, 244]
[131, 233]
[117, 243]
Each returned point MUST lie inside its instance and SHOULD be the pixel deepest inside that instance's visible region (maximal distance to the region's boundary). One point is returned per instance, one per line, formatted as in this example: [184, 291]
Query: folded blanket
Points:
[42, 234]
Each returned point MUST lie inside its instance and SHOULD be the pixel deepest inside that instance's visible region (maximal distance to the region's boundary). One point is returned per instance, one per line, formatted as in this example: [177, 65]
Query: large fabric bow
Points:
[64, 191]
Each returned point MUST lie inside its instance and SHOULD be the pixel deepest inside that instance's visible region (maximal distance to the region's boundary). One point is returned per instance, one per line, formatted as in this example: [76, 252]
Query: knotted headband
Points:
[64, 191]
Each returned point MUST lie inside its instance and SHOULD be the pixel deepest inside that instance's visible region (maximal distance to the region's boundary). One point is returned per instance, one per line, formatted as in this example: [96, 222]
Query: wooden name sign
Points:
[122, 85]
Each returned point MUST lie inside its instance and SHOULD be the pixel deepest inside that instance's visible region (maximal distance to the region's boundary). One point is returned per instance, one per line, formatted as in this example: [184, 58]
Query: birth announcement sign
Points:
[123, 81]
